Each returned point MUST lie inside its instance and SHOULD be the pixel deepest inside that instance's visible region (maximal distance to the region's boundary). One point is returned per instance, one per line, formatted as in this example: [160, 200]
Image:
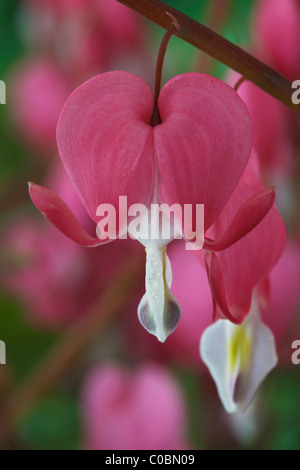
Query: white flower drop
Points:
[158, 311]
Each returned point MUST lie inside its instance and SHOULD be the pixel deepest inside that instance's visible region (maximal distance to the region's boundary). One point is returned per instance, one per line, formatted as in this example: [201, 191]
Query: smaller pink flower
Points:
[241, 352]
[235, 272]
[144, 410]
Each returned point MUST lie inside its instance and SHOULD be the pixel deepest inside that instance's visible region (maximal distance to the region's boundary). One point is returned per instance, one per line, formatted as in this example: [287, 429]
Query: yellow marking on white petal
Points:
[240, 348]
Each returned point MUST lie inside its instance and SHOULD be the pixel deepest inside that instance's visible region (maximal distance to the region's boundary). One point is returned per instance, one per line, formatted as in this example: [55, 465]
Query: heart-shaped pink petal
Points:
[105, 140]
[203, 143]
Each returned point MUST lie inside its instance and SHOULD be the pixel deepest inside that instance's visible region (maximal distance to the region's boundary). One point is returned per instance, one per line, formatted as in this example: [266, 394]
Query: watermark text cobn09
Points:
[296, 353]
[2, 353]
[2, 92]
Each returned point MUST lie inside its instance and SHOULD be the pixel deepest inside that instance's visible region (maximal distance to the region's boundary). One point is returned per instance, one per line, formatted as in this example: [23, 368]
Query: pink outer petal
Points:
[58, 181]
[58, 213]
[203, 143]
[247, 262]
[217, 285]
[105, 140]
[250, 214]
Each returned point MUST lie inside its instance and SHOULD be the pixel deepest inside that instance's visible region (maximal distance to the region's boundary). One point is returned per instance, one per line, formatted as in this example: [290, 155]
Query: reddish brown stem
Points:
[222, 50]
[239, 83]
[155, 120]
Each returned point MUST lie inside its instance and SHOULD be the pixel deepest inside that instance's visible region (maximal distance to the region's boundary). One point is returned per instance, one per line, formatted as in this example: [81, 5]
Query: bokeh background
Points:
[81, 372]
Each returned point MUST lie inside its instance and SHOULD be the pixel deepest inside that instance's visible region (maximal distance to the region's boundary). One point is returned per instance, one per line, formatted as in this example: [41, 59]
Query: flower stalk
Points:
[218, 47]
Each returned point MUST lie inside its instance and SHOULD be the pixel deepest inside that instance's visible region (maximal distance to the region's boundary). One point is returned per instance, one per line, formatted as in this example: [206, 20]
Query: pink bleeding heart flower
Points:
[133, 411]
[279, 17]
[241, 352]
[110, 149]
[247, 262]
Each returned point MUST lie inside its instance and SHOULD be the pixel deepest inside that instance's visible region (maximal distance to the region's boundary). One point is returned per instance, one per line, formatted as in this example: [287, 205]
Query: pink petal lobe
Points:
[249, 215]
[105, 140]
[248, 261]
[59, 214]
[203, 143]
[217, 285]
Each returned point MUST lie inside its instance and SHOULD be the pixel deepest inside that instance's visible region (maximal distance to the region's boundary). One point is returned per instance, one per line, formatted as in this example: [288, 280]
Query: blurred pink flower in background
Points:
[121, 27]
[282, 309]
[271, 139]
[62, 7]
[39, 91]
[276, 28]
[57, 279]
[84, 35]
[49, 274]
[192, 290]
[276, 41]
[138, 410]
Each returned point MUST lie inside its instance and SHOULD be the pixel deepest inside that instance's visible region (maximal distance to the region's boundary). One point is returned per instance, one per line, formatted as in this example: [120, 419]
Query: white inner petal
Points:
[238, 357]
[158, 311]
